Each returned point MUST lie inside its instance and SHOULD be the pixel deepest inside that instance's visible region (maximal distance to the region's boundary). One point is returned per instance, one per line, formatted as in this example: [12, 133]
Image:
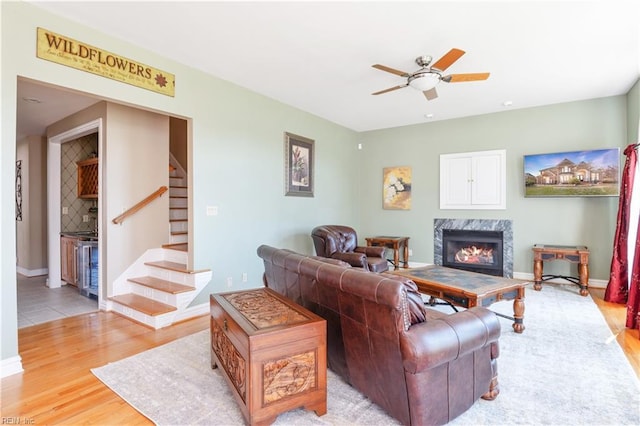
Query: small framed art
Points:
[396, 188]
[298, 159]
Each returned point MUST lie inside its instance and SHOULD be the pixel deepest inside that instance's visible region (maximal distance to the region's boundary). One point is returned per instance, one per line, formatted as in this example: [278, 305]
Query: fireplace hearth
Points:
[475, 252]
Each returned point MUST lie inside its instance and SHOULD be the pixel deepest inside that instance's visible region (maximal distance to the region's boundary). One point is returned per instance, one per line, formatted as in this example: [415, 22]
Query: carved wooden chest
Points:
[272, 352]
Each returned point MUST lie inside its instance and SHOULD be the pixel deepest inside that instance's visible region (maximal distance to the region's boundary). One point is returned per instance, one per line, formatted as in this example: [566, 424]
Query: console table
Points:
[574, 254]
[394, 243]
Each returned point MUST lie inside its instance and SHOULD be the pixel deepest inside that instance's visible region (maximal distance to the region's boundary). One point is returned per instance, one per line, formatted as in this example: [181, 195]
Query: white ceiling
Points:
[317, 56]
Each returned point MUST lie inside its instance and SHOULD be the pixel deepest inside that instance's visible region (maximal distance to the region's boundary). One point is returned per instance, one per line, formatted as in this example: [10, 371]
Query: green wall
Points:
[237, 164]
[592, 124]
[633, 111]
[237, 157]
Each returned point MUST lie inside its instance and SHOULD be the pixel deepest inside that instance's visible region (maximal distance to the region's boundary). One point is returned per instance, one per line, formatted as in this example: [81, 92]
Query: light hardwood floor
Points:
[57, 386]
[615, 315]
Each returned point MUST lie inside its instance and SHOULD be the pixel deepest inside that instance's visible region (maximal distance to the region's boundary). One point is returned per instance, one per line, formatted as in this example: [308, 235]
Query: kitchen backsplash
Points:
[71, 152]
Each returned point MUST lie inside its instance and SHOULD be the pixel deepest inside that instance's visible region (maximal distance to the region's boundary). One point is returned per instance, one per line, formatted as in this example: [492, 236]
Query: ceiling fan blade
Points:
[391, 70]
[448, 59]
[457, 78]
[389, 89]
[430, 94]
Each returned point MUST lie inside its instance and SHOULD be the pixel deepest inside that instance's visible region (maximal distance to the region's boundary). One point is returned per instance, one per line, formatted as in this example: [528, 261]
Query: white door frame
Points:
[54, 180]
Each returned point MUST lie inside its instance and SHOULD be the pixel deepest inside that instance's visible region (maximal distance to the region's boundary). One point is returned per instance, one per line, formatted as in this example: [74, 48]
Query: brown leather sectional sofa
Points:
[421, 366]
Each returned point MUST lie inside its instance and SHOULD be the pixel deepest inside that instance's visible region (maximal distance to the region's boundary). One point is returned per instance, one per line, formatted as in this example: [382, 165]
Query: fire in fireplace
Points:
[473, 254]
[473, 250]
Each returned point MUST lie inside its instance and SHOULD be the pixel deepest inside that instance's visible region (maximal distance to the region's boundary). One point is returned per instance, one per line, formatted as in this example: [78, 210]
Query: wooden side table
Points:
[394, 243]
[574, 254]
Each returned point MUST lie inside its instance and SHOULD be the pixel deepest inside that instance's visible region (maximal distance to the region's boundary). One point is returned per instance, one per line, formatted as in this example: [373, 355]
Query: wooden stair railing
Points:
[140, 205]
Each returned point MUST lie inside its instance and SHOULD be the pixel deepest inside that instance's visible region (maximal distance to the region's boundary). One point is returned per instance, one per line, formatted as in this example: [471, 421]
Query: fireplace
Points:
[502, 228]
[473, 250]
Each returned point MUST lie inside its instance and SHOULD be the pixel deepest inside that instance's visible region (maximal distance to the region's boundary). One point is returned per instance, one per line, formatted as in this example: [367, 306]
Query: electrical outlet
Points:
[229, 281]
[212, 210]
[410, 252]
[65, 210]
[85, 218]
[244, 277]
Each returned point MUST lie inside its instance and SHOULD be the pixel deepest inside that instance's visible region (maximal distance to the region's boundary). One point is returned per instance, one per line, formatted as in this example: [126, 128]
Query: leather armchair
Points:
[341, 242]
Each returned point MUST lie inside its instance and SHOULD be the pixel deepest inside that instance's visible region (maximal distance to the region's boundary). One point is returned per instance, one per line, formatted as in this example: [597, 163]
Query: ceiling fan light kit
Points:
[424, 81]
[427, 77]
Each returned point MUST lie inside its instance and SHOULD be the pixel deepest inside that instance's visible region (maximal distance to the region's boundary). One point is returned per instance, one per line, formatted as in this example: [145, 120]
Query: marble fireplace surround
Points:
[477, 225]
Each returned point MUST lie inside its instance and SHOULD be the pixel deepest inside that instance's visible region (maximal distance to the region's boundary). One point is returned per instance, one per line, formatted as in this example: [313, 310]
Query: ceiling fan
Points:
[428, 76]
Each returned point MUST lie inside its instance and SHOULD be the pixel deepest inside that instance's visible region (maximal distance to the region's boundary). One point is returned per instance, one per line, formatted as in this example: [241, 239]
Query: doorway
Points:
[38, 106]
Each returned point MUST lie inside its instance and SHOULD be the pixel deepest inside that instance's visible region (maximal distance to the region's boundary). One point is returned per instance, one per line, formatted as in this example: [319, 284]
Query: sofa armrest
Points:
[376, 251]
[352, 258]
[435, 342]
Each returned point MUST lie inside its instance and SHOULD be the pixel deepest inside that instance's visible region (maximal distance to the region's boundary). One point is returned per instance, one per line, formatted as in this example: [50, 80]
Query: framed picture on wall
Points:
[19, 190]
[592, 173]
[396, 188]
[298, 159]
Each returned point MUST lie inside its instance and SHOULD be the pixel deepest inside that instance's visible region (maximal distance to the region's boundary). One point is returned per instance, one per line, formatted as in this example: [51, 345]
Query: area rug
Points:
[565, 369]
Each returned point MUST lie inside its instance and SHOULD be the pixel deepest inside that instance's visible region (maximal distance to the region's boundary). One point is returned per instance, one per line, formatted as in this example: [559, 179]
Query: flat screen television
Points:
[592, 173]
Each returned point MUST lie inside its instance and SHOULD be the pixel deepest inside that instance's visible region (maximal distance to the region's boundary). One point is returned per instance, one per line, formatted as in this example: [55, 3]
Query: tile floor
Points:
[38, 303]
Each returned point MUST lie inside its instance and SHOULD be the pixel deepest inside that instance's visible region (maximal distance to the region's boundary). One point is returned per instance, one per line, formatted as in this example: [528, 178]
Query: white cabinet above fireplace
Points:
[473, 180]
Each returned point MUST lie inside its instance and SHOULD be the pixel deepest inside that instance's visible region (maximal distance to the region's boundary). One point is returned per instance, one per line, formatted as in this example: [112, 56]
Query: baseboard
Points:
[32, 272]
[413, 264]
[104, 305]
[11, 366]
[527, 276]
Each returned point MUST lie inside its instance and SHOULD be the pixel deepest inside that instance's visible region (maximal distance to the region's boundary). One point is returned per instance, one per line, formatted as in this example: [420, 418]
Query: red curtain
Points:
[618, 286]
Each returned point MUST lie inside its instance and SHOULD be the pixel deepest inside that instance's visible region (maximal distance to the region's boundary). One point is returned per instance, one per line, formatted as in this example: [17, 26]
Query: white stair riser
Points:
[177, 181]
[156, 322]
[178, 202]
[175, 256]
[180, 213]
[178, 191]
[180, 300]
[180, 238]
[173, 276]
[179, 226]
[197, 281]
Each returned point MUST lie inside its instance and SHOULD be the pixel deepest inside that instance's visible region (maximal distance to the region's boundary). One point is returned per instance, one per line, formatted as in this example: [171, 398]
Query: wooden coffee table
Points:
[468, 289]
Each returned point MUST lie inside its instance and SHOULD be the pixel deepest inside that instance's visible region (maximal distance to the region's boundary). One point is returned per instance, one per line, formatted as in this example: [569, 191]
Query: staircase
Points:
[158, 288]
[178, 204]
